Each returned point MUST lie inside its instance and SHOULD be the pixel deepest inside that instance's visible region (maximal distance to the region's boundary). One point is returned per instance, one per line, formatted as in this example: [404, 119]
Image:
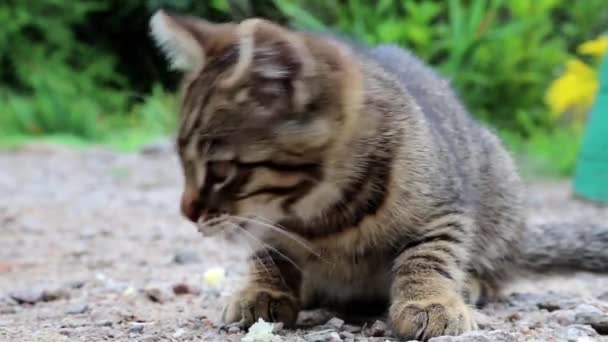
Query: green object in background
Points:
[591, 178]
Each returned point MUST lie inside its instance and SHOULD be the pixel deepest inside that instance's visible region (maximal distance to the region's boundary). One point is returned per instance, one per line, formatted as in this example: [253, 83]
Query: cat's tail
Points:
[565, 247]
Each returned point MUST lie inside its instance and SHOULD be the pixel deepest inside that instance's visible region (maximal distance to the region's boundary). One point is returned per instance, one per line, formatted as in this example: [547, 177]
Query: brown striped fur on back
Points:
[358, 171]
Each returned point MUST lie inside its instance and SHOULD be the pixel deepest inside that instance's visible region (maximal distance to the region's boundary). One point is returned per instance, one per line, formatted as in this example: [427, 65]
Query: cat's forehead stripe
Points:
[197, 97]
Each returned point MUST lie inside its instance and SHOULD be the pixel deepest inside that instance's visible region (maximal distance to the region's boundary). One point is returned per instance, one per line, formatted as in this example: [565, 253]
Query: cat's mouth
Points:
[211, 223]
[207, 215]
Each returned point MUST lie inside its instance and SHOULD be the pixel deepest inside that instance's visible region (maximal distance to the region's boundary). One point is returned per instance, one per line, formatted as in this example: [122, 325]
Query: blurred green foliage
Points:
[51, 82]
[499, 54]
[87, 67]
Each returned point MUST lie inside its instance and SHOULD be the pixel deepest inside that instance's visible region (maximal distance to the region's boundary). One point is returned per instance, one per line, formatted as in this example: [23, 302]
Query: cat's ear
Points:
[272, 55]
[186, 41]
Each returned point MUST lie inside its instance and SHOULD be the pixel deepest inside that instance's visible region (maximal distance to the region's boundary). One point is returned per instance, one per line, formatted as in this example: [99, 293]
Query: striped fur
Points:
[378, 184]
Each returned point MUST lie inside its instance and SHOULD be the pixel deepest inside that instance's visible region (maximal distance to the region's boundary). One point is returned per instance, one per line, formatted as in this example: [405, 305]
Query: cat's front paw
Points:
[436, 316]
[248, 305]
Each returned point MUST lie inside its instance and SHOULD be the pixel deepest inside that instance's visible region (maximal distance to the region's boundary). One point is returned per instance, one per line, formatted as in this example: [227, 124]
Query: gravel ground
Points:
[92, 248]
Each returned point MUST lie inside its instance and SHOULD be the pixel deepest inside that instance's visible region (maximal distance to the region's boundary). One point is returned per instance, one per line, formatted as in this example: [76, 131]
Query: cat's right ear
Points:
[177, 42]
[186, 41]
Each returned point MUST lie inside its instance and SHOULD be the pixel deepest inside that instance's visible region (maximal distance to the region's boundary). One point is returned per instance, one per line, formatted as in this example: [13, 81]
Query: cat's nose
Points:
[195, 209]
[191, 206]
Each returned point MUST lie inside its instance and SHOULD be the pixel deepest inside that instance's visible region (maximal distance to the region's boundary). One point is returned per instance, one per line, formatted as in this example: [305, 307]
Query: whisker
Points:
[263, 244]
[210, 221]
[251, 251]
[204, 225]
[280, 230]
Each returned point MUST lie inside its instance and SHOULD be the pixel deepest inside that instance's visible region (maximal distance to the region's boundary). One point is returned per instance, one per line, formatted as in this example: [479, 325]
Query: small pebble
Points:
[378, 329]
[574, 332]
[563, 317]
[6, 266]
[537, 324]
[333, 337]
[65, 332]
[346, 334]
[76, 284]
[27, 296]
[351, 328]
[149, 338]
[186, 257]
[77, 309]
[183, 289]
[136, 329]
[335, 323]
[8, 300]
[156, 294]
[473, 336]
[318, 336]
[33, 295]
[129, 291]
[54, 294]
[7, 311]
[234, 329]
[313, 317]
[111, 284]
[587, 308]
[179, 333]
[550, 305]
[105, 323]
[503, 336]
[208, 323]
[598, 321]
[315, 338]
[514, 317]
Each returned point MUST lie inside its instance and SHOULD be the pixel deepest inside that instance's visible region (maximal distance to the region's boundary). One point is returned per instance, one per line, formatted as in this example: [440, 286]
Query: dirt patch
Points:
[92, 247]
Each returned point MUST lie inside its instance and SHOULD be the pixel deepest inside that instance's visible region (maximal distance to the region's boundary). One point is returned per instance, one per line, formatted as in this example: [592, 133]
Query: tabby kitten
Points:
[377, 184]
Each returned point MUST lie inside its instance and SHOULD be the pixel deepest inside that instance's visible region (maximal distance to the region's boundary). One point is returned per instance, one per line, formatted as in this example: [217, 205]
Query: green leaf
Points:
[301, 17]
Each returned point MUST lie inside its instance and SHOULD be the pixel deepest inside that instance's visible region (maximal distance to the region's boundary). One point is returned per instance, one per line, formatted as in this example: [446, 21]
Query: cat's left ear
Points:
[187, 41]
[273, 55]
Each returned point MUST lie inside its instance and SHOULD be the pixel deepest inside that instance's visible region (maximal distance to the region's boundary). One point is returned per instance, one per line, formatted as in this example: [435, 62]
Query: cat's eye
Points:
[220, 170]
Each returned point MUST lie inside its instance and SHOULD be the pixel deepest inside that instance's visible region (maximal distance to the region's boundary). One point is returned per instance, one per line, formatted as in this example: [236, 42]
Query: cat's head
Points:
[263, 109]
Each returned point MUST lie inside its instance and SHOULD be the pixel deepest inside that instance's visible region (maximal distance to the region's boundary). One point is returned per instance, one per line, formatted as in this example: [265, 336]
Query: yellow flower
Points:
[574, 90]
[596, 47]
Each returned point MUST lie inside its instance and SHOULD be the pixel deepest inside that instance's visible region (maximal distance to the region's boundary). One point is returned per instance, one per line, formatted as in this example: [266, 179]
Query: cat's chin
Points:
[223, 233]
[220, 227]
[206, 232]
[212, 227]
